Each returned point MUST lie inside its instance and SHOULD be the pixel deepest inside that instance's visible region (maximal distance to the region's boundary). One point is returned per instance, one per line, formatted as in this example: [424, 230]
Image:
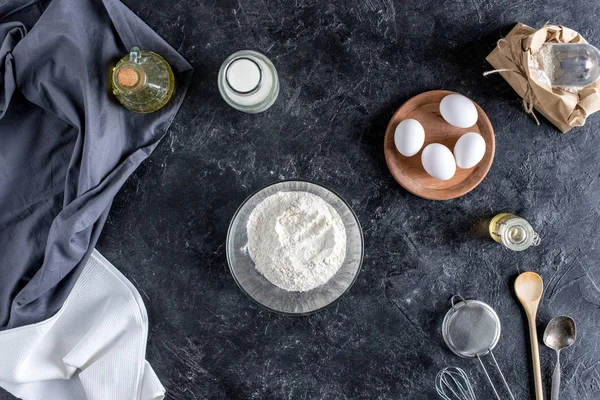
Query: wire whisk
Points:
[452, 383]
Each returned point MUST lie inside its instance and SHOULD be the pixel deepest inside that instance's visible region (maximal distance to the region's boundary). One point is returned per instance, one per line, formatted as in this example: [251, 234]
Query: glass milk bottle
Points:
[248, 81]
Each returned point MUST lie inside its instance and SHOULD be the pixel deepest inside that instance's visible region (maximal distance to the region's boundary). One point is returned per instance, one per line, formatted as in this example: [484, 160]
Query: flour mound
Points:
[296, 240]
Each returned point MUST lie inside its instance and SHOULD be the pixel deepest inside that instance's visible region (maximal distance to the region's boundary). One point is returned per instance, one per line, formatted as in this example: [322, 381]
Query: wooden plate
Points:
[409, 172]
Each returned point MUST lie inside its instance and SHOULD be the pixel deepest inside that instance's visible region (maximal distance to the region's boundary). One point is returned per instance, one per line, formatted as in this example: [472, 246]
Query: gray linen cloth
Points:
[66, 145]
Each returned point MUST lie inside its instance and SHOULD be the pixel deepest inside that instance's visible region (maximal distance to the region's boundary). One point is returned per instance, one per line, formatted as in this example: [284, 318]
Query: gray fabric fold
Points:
[66, 145]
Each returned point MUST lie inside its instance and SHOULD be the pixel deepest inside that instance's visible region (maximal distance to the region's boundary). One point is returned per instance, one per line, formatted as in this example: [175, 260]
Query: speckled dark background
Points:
[345, 66]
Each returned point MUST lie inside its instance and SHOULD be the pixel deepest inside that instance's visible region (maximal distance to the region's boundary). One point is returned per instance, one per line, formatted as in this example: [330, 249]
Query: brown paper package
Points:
[514, 56]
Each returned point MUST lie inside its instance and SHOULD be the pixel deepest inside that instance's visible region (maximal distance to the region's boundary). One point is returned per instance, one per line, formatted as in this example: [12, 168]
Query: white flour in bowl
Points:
[296, 240]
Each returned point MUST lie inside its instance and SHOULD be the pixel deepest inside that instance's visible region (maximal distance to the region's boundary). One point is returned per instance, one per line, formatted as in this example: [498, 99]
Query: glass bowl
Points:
[266, 294]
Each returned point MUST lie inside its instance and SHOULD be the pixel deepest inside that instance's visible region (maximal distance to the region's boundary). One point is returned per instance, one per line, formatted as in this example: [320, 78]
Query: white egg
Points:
[438, 161]
[469, 150]
[409, 137]
[458, 110]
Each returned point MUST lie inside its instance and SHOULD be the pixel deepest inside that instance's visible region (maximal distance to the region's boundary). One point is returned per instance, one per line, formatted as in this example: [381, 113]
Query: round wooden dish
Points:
[409, 172]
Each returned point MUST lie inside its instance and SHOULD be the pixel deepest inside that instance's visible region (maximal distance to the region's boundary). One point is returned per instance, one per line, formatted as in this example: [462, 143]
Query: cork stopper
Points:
[128, 77]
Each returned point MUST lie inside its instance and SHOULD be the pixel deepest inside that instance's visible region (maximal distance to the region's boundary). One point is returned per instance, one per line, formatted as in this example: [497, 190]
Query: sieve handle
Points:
[535, 358]
[488, 377]
[502, 375]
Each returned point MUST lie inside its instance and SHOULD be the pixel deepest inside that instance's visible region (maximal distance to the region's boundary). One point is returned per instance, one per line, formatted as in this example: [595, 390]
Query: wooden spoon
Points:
[529, 288]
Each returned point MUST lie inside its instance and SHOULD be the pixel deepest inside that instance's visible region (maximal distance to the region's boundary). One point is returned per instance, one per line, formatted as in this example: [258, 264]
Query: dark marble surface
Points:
[345, 66]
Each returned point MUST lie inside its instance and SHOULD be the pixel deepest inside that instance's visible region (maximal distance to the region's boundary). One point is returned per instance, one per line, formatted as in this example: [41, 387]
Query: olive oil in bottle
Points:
[513, 232]
[143, 81]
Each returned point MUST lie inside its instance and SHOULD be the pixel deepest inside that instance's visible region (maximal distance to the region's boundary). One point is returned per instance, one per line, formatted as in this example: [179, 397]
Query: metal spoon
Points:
[559, 334]
[529, 288]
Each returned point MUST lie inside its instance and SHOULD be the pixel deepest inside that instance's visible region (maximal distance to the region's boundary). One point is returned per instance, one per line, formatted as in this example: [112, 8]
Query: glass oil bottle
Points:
[143, 81]
[513, 232]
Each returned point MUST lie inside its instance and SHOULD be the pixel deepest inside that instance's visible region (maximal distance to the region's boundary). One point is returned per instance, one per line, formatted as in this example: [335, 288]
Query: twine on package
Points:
[515, 58]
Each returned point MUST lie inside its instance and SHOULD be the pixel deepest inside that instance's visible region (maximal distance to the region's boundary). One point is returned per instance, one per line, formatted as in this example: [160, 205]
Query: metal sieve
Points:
[471, 329]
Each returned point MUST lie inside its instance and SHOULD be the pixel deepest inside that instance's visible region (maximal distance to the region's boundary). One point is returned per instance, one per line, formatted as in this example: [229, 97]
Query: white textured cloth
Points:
[92, 349]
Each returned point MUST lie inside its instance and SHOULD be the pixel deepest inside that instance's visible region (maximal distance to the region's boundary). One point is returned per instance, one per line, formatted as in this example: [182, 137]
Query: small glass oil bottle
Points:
[143, 81]
[513, 232]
